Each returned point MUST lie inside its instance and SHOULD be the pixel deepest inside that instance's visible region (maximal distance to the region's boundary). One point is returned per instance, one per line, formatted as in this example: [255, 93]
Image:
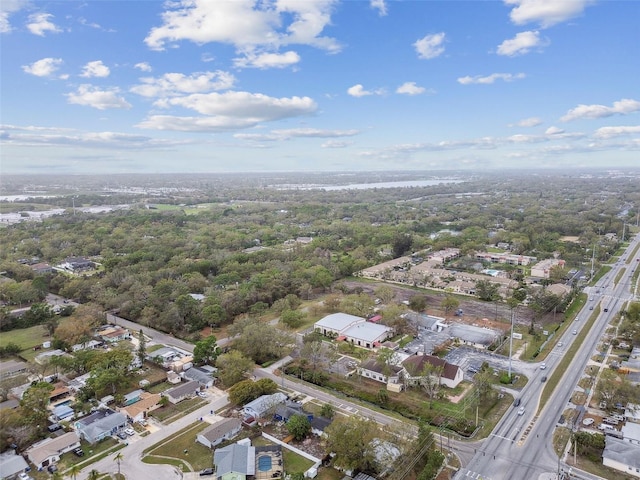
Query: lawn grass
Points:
[25, 338]
[294, 463]
[172, 412]
[183, 446]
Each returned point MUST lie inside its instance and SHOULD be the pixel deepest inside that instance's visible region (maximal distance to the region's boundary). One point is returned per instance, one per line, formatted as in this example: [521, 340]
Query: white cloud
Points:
[522, 43]
[410, 88]
[315, 132]
[91, 96]
[95, 69]
[379, 5]
[545, 12]
[528, 122]
[609, 132]
[553, 131]
[246, 24]
[7, 8]
[39, 24]
[229, 110]
[359, 91]
[267, 60]
[507, 77]
[287, 134]
[143, 66]
[335, 144]
[44, 67]
[621, 107]
[430, 46]
[171, 84]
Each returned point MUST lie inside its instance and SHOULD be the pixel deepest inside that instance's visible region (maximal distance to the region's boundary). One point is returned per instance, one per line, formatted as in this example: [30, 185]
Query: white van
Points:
[604, 426]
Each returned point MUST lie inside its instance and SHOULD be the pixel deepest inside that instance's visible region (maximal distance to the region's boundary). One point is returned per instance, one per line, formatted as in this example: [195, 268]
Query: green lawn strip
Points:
[619, 276]
[294, 463]
[69, 459]
[167, 461]
[100, 456]
[567, 358]
[172, 412]
[25, 338]
[601, 273]
[182, 446]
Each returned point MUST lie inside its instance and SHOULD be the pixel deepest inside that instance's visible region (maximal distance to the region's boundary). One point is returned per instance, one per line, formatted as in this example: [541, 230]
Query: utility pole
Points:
[510, 345]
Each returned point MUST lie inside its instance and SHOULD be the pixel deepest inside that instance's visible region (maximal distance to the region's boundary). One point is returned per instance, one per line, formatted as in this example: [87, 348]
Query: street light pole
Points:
[510, 344]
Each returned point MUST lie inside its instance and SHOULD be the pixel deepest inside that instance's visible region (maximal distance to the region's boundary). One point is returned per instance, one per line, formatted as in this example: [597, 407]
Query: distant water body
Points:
[365, 186]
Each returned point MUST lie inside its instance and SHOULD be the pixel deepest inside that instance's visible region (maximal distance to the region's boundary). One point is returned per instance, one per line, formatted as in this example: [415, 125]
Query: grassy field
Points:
[25, 338]
[173, 412]
[183, 447]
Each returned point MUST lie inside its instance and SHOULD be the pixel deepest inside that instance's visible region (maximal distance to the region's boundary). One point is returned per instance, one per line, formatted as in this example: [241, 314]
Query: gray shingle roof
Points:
[235, 458]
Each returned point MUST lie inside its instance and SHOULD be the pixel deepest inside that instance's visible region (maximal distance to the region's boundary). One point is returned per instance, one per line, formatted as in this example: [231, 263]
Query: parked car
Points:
[78, 452]
[206, 471]
[130, 431]
[24, 476]
[122, 435]
[52, 468]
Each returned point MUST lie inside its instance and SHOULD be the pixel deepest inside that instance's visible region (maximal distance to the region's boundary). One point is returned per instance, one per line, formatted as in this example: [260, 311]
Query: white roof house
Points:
[336, 323]
[622, 456]
[353, 329]
[261, 405]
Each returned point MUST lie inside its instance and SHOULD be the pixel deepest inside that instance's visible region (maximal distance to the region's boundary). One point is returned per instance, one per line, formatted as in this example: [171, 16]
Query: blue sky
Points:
[317, 85]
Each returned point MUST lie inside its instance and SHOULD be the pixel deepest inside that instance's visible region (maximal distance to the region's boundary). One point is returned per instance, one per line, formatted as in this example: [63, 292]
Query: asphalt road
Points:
[520, 446]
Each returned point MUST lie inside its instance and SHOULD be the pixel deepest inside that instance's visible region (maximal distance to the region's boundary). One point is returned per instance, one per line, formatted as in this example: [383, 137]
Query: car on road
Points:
[606, 309]
[206, 472]
[521, 411]
[591, 307]
[560, 344]
[543, 366]
[543, 379]
[517, 402]
[130, 431]
[575, 332]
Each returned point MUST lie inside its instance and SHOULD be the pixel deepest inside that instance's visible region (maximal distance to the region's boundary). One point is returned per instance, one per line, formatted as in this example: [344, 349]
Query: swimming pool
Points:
[264, 463]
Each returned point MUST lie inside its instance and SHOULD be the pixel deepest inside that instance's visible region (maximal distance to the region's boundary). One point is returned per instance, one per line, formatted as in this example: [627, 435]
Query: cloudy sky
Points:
[99, 86]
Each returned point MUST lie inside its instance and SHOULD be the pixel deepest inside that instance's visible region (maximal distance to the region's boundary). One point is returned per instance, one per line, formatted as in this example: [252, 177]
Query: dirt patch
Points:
[475, 311]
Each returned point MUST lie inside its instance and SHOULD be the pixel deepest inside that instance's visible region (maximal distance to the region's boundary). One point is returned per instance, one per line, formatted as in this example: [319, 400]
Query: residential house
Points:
[113, 334]
[204, 379]
[319, 424]
[284, 412]
[165, 356]
[89, 345]
[63, 412]
[138, 411]
[12, 368]
[12, 464]
[182, 392]
[622, 456]
[173, 377]
[77, 264]
[41, 268]
[49, 450]
[225, 429]
[235, 462]
[380, 372]
[261, 405]
[415, 366]
[100, 425]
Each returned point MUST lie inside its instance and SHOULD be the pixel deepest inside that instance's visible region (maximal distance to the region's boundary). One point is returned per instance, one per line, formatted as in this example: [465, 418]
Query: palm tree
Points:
[93, 475]
[118, 458]
[74, 471]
